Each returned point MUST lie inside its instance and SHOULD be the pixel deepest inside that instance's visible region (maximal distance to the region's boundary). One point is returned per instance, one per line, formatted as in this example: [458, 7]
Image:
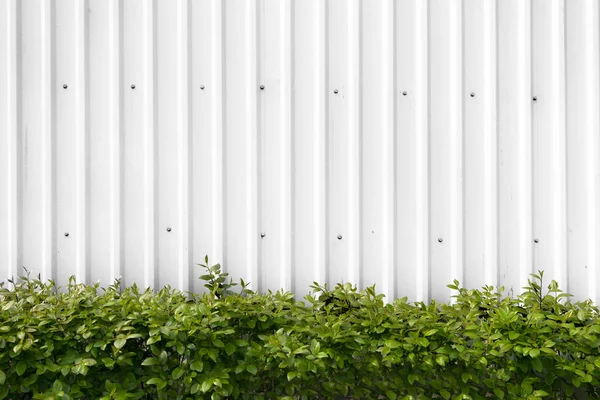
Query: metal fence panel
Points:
[398, 143]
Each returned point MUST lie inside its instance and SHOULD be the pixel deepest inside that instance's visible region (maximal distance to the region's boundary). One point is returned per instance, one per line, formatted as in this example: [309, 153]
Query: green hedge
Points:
[87, 342]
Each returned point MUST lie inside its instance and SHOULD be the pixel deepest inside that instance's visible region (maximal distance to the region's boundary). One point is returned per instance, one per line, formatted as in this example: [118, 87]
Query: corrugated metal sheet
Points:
[404, 143]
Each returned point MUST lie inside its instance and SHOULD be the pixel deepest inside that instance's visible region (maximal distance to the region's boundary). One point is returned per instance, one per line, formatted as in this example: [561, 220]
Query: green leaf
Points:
[153, 339]
[160, 384]
[548, 350]
[412, 378]
[21, 367]
[177, 373]
[513, 335]
[195, 388]
[206, 385]
[89, 362]
[57, 386]
[533, 353]
[540, 393]
[391, 395]
[291, 375]
[526, 388]
[197, 365]
[151, 361]
[252, 369]
[229, 349]
[499, 392]
[537, 364]
[465, 377]
[445, 394]
[2, 377]
[119, 343]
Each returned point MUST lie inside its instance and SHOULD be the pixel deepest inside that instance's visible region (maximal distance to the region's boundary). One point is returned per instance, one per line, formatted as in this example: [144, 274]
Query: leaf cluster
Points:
[83, 341]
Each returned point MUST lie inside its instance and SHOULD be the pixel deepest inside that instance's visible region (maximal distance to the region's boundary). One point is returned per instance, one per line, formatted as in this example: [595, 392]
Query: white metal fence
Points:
[404, 143]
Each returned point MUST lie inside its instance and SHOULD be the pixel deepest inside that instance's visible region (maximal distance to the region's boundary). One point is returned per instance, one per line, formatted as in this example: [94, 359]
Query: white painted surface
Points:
[390, 124]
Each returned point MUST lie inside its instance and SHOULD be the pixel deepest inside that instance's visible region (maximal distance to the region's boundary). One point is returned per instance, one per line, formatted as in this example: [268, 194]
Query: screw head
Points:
[335, 91]
[168, 229]
[65, 86]
[440, 240]
[66, 234]
[404, 93]
[262, 235]
[534, 98]
[472, 94]
[201, 87]
[262, 87]
[133, 86]
[339, 237]
[536, 240]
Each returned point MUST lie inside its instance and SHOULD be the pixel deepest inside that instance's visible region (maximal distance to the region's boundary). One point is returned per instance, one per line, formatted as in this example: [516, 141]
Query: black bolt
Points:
[404, 93]
[65, 86]
[133, 86]
[262, 235]
[201, 87]
[335, 91]
[168, 229]
[440, 240]
[66, 234]
[262, 87]
[339, 237]
[534, 98]
[472, 94]
[536, 240]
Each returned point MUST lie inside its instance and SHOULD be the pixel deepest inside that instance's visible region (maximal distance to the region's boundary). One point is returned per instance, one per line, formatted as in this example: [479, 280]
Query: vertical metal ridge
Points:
[559, 139]
[217, 130]
[490, 69]
[456, 144]
[389, 149]
[262, 182]
[286, 177]
[184, 141]
[48, 102]
[150, 176]
[422, 178]
[13, 134]
[252, 143]
[321, 238]
[593, 146]
[82, 184]
[525, 155]
[116, 137]
[354, 143]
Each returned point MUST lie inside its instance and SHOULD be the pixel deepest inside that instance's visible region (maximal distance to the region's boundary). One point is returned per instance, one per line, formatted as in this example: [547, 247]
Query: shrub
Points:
[89, 342]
